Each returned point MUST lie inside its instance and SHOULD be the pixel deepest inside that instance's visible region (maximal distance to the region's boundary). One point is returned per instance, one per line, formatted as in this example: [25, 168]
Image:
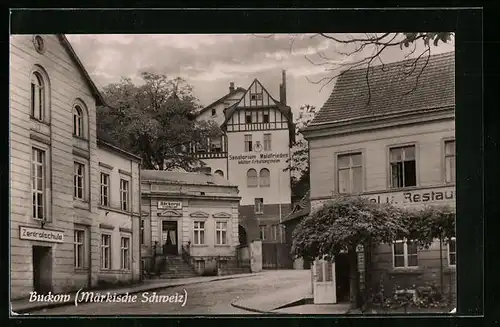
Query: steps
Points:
[175, 267]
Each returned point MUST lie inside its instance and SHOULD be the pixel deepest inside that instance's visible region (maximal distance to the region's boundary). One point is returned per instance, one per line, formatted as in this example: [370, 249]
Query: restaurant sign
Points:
[423, 196]
[39, 234]
[261, 158]
[174, 205]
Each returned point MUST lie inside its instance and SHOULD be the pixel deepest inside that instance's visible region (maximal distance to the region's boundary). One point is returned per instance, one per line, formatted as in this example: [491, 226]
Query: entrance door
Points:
[42, 269]
[324, 282]
[342, 277]
[169, 237]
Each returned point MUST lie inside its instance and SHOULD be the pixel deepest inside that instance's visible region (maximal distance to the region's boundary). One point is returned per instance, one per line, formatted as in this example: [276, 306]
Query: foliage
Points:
[343, 223]
[155, 120]
[298, 163]
[430, 223]
[427, 296]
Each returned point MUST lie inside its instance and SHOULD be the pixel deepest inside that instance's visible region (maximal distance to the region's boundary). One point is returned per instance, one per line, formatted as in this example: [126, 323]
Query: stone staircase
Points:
[175, 267]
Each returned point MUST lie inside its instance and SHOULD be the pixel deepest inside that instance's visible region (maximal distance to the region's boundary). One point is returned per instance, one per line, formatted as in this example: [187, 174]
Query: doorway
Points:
[169, 237]
[42, 269]
[342, 277]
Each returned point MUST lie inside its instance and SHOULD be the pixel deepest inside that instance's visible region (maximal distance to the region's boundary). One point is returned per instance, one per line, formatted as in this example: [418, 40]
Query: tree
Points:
[343, 224]
[375, 45]
[154, 120]
[298, 163]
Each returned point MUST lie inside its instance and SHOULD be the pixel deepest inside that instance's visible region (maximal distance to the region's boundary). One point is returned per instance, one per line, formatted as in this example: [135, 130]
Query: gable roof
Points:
[95, 91]
[238, 89]
[394, 88]
[283, 108]
[300, 209]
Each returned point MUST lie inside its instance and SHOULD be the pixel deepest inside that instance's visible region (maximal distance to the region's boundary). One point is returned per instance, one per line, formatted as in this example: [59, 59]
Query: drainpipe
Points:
[141, 272]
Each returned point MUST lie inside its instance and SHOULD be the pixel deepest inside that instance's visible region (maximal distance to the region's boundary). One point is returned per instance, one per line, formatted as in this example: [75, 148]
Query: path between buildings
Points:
[24, 305]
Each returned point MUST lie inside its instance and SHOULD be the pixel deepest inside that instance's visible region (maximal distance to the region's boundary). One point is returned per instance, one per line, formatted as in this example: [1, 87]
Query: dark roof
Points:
[300, 209]
[394, 88]
[103, 143]
[238, 89]
[184, 178]
[95, 91]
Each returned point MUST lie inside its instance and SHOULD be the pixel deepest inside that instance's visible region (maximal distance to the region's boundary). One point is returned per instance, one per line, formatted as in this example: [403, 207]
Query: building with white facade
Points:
[258, 134]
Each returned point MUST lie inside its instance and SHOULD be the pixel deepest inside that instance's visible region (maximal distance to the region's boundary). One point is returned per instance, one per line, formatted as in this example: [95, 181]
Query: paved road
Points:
[202, 299]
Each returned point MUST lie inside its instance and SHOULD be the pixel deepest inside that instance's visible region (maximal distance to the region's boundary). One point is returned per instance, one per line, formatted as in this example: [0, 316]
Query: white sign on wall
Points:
[261, 158]
[39, 234]
[174, 205]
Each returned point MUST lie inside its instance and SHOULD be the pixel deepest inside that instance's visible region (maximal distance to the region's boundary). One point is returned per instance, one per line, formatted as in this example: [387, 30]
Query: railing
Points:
[186, 255]
[210, 155]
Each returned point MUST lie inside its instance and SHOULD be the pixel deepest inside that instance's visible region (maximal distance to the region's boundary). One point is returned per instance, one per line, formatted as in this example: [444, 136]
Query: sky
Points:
[209, 62]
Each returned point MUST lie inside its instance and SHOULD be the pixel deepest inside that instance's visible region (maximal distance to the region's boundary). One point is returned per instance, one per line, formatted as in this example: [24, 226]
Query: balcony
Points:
[210, 155]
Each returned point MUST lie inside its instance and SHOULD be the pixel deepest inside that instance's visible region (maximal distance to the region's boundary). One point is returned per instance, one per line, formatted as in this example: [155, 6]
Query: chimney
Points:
[206, 170]
[231, 87]
[283, 87]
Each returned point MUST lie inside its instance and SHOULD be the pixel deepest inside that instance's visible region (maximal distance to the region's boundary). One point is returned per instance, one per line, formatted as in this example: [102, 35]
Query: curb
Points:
[152, 288]
[301, 301]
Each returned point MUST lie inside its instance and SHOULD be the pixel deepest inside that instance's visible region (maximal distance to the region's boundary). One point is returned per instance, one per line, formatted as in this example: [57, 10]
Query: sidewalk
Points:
[266, 303]
[25, 306]
[281, 302]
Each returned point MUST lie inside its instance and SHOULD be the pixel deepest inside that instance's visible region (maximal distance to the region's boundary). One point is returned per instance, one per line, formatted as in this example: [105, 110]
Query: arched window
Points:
[219, 172]
[77, 121]
[264, 177]
[252, 179]
[37, 97]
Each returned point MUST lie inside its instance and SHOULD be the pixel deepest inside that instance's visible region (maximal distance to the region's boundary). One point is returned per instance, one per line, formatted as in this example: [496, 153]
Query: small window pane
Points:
[356, 160]
[409, 153]
[399, 248]
[357, 179]
[344, 181]
[343, 161]
[396, 154]
[328, 271]
[450, 148]
[412, 261]
[412, 248]
[399, 261]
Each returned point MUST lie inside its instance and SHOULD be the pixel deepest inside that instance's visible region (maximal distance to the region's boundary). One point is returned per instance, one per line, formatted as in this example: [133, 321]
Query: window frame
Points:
[78, 121]
[389, 162]
[200, 227]
[351, 167]
[260, 178]
[454, 239]
[105, 186]
[221, 237]
[83, 178]
[125, 262]
[275, 232]
[34, 190]
[125, 200]
[405, 255]
[39, 113]
[267, 140]
[76, 251]
[256, 178]
[142, 224]
[445, 156]
[263, 232]
[248, 143]
[105, 247]
[261, 206]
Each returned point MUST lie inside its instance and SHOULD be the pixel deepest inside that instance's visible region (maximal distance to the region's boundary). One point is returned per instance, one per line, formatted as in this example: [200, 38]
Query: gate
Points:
[276, 256]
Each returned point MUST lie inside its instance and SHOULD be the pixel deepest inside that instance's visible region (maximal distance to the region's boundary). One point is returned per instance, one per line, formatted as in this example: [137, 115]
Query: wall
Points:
[116, 222]
[374, 145]
[219, 108]
[207, 208]
[66, 85]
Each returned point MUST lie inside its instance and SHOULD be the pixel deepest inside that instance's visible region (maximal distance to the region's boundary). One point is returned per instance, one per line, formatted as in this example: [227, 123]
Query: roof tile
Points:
[394, 87]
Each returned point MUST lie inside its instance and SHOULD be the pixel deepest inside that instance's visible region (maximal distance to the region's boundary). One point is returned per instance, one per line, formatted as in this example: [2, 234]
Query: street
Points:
[202, 299]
